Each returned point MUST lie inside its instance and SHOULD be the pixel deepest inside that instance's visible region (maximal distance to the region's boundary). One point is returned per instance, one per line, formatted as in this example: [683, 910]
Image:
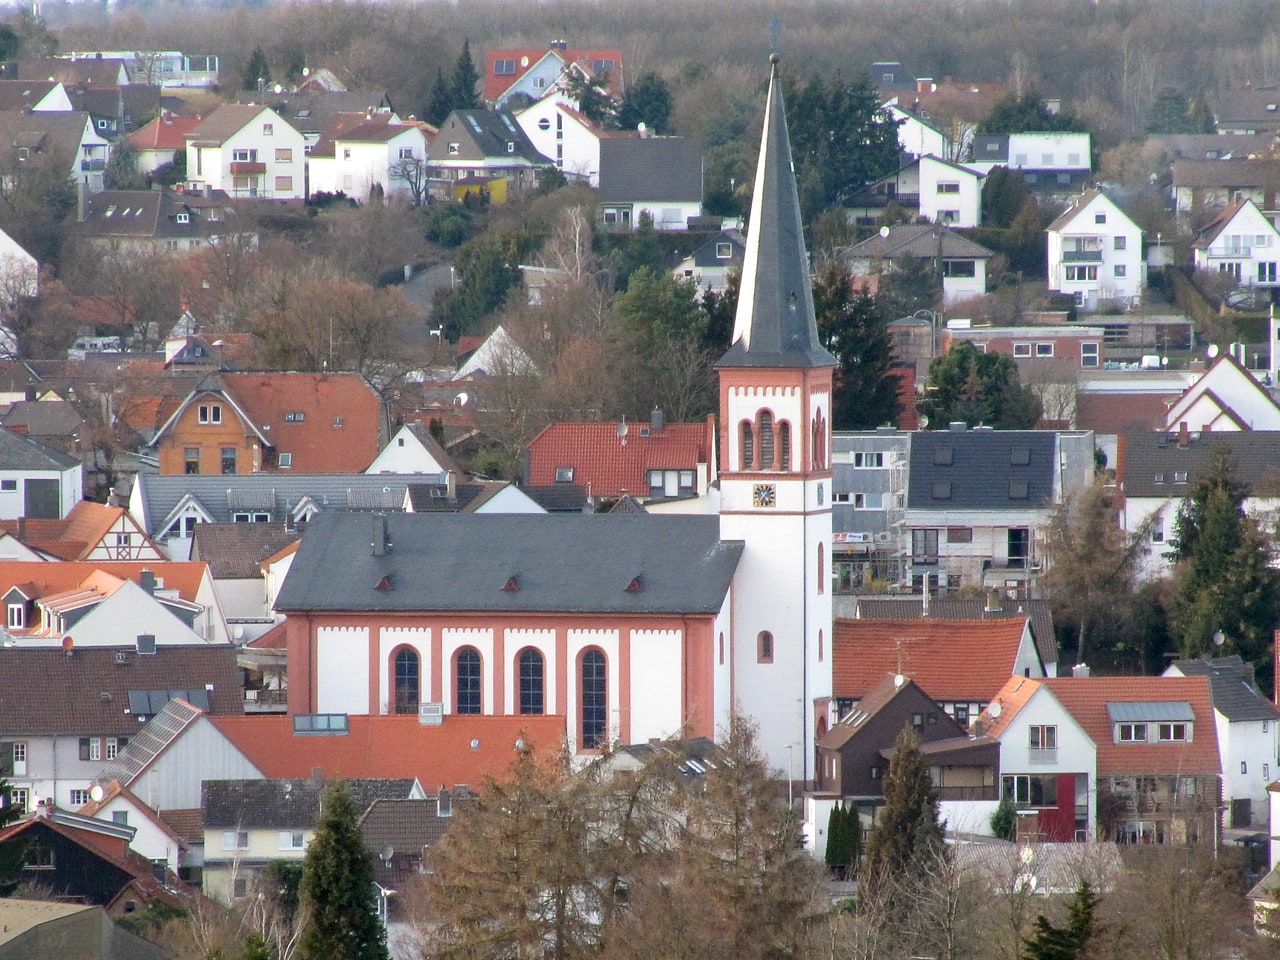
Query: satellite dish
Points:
[462, 399]
[278, 88]
[96, 793]
[884, 231]
[623, 430]
[524, 61]
[475, 743]
[1027, 855]
[1213, 350]
[386, 853]
[1219, 638]
[306, 71]
[640, 126]
[521, 744]
[994, 709]
[237, 632]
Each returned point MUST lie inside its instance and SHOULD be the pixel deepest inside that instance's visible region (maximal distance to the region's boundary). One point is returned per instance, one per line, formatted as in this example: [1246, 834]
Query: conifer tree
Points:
[337, 887]
[1069, 942]
[465, 78]
[852, 329]
[257, 72]
[440, 102]
[907, 838]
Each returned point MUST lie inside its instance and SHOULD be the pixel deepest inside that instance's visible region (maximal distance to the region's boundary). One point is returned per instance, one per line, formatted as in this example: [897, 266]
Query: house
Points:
[237, 423]
[1212, 184]
[657, 177]
[249, 824]
[35, 95]
[711, 265]
[401, 833]
[1225, 398]
[1116, 402]
[992, 607]
[247, 151]
[1246, 725]
[927, 187]
[171, 222]
[491, 496]
[1244, 244]
[1048, 762]
[961, 664]
[956, 106]
[976, 497]
[63, 716]
[413, 449]
[67, 135]
[160, 141]
[1211, 146]
[91, 531]
[1095, 254]
[115, 108]
[499, 353]
[154, 839]
[314, 111]
[1056, 350]
[486, 144]
[964, 263]
[918, 136]
[868, 495]
[512, 75]
[235, 553]
[39, 928]
[74, 72]
[52, 421]
[1159, 779]
[557, 129]
[657, 461]
[36, 481]
[168, 68]
[1156, 471]
[1247, 110]
[371, 156]
[851, 759]
[1050, 162]
[109, 602]
[19, 271]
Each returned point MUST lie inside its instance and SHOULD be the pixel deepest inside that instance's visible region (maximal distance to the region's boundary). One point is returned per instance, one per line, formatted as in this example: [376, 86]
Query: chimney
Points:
[82, 202]
[1184, 438]
[451, 484]
[977, 728]
[147, 580]
[994, 603]
[925, 85]
[656, 419]
[444, 802]
[924, 600]
[1081, 670]
[957, 426]
[378, 547]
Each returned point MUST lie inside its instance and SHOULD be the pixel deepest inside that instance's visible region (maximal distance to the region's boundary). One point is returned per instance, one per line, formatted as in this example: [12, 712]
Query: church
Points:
[630, 627]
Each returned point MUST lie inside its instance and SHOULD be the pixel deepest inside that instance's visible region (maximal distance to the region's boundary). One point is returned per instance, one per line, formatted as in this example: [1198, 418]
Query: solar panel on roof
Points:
[1155, 710]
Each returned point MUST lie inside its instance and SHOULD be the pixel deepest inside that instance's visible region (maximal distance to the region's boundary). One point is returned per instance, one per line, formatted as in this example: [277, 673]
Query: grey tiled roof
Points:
[1155, 466]
[283, 804]
[650, 168]
[981, 469]
[953, 608]
[1231, 687]
[559, 563]
[154, 214]
[23, 453]
[47, 693]
[490, 131]
[915, 240]
[557, 497]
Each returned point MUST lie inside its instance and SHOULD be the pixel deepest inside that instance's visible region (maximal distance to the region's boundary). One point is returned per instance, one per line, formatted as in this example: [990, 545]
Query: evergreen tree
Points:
[257, 72]
[835, 853]
[440, 101]
[648, 101]
[337, 887]
[1004, 820]
[907, 839]
[913, 284]
[1004, 194]
[965, 385]
[1170, 112]
[1070, 942]
[465, 79]
[852, 329]
[593, 101]
[1029, 112]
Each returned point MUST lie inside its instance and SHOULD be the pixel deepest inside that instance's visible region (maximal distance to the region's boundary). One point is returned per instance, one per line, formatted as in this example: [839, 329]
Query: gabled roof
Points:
[1214, 228]
[1008, 701]
[489, 133]
[606, 466]
[285, 803]
[1078, 206]
[166, 132]
[1231, 686]
[224, 122]
[310, 112]
[152, 740]
[1154, 464]
[461, 750]
[981, 469]
[23, 453]
[948, 659]
[1238, 173]
[74, 537]
[516, 563]
[650, 169]
[44, 131]
[1087, 700]
[45, 418]
[23, 94]
[85, 71]
[774, 325]
[889, 689]
[235, 551]
[916, 240]
[47, 693]
[1248, 106]
[114, 790]
[963, 608]
[155, 214]
[44, 579]
[523, 59]
[1250, 403]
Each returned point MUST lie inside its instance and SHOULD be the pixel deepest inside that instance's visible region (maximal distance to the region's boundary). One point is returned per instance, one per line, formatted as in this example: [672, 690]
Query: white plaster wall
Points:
[723, 684]
[606, 640]
[968, 816]
[510, 500]
[404, 453]
[243, 599]
[543, 640]
[1247, 742]
[968, 201]
[918, 138]
[342, 670]
[419, 638]
[1076, 750]
[580, 148]
[744, 402]
[149, 840]
[451, 639]
[657, 682]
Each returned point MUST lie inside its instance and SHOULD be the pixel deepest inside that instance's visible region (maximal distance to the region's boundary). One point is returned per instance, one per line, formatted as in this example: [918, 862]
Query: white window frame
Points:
[1022, 349]
[235, 840]
[210, 414]
[1174, 732]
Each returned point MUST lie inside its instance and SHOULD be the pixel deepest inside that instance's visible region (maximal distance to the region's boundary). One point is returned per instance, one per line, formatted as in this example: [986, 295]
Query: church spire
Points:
[774, 325]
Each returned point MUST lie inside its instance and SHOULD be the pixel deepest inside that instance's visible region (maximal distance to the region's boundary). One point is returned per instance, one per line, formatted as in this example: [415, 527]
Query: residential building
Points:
[235, 553]
[64, 715]
[1095, 254]
[401, 833]
[36, 481]
[918, 135]
[492, 496]
[533, 72]
[1245, 722]
[248, 151]
[314, 111]
[36, 928]
[154, 839]
[167, 68]
[960, 664]
[1244, 244]
[1050, 162]
[868, 500]
[160, 141]
[237, 423]
[926, 187]
[1039, 352]
[368, 157]
[413, 449]
[35, 95]
[963, 262]
[19, 272]
[488, 145]
[169, 222]
[69, 135]
[1213, 184]
[712, 264]
[655, 177]
[557, 129]
[1225, 398]
[1247, 110]
[91, 531]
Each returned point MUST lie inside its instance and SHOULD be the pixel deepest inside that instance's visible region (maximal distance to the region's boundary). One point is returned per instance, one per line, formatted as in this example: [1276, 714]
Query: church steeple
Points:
[774, 325]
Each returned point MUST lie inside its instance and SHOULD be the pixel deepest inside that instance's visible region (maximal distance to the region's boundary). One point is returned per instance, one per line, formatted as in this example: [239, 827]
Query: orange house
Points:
[265, 422]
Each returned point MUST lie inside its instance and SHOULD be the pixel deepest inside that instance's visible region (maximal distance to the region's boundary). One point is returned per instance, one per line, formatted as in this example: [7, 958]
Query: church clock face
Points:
[764, 495]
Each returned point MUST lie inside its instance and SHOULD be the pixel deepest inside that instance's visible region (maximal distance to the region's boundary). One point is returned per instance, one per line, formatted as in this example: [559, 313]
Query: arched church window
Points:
[822, 568]
[532, 685]
[766, 441]
[408, 679]
[595, 698]
[467, 676]
[764, 647]
[748, 448]
[784, 445]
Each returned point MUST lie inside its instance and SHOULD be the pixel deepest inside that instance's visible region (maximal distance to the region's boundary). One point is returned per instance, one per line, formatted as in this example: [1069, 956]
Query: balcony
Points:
[247, 168]
[969, 793]
[1042, 756]
[89, 166]
[1082, 256]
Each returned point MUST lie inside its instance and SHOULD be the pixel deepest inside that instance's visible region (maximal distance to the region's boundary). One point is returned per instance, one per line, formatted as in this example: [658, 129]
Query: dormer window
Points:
[564, 474]
[511, 146]
[183, 218]
[17, 618]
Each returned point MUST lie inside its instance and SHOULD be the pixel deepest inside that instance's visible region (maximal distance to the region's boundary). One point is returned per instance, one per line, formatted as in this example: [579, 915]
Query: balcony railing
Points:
[1043, 756]
[91, 165]
[247, 168]
[1082, 256]
[969, 793]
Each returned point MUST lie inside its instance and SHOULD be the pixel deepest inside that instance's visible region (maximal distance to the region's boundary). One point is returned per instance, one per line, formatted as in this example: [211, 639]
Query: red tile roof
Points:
[72, 537]
[605, 465]
[1122, 412]
[1013, 696]
[1086, 699]
[165, 132]
[496, 85]
[183, 576]
[461, 750]
[948, 659]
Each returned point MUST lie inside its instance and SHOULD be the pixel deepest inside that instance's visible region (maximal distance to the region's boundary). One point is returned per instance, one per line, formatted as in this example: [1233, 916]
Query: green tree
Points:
[1170, 112]
[257, 72]
[1029, 112]
[913, 284]
[121, 172]
[844, 840]
[907, 839]
[439, 101]
[337, 887]
[591, 95]
[10, 43]
[852, 329]
[1004, 820]
[1004, 194]
[1070, 942]
[841, 139]
[486, 271]
[648, 101]
[977, 388]
[464, 80]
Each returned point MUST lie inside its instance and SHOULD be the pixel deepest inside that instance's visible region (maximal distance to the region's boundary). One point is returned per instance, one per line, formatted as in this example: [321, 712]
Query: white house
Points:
[1242, 243]
[1095, 254]
[413, 450]
[658, 176]
[19, 270]
[37, 481]
[153, 839]
[917, 136]
[373, 154]
[1226, 397]
[248, 151]
[964, 263]
[562, 133]
[1247, 736]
